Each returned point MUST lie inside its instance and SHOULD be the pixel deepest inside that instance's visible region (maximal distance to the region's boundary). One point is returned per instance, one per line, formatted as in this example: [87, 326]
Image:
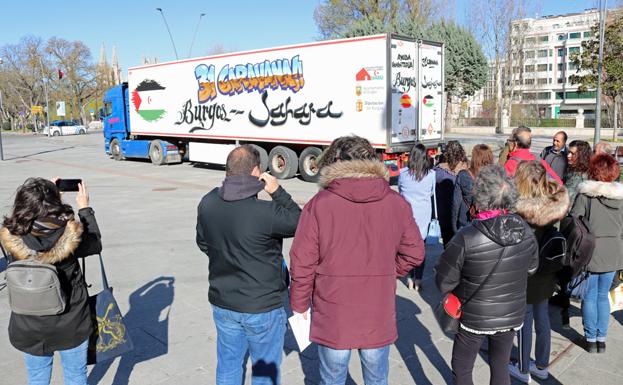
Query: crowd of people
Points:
[352, 241]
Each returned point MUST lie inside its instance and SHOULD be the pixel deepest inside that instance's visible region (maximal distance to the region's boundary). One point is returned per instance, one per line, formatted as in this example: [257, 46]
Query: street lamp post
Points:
[195, 34]
[600, 61]
[168, 30]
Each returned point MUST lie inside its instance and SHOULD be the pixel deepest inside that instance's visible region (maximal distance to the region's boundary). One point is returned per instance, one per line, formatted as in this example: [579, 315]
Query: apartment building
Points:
[542, 63]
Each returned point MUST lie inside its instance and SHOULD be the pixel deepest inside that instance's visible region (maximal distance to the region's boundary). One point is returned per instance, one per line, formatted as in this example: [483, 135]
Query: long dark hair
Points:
[419, 164]
[36, 198]
[583, 155]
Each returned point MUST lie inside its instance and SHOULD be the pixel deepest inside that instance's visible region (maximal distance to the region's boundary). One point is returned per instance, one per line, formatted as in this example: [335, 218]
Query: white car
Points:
[64, 127]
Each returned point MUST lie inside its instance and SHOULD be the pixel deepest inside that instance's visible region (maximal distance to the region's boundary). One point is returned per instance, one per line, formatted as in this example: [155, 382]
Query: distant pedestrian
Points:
[453, 161]
[603, 147]
[43, 227]
[243, 236]
[601, 200]
[355, 237]
[522, 140]
[556, 154]
[541, 203]
[416, 184]
[489, 259]
[509, 146]
[463, 202]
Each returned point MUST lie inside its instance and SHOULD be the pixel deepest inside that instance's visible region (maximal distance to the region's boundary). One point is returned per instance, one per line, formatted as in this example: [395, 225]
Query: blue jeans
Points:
[74, 363]
[596, 306]
[334, 365]
[538, 312]
[260, 334]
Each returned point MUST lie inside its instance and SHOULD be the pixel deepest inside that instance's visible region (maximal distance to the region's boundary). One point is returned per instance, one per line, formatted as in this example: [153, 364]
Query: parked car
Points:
[64, 127]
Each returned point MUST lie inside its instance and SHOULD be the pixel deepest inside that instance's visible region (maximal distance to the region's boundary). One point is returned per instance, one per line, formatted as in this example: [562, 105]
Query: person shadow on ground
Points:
[147, 322]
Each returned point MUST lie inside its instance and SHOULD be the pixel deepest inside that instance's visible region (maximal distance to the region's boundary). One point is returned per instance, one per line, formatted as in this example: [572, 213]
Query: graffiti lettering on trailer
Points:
[189, 114]
[432, 84]
[405, 83]
[429, 62]
[286, 74]
[278, 115]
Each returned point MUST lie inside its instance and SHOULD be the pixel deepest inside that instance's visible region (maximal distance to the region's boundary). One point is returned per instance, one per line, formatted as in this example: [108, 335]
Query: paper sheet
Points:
[300, 329]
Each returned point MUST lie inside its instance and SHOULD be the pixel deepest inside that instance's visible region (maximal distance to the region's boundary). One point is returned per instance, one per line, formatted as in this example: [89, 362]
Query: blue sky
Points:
[137, 29]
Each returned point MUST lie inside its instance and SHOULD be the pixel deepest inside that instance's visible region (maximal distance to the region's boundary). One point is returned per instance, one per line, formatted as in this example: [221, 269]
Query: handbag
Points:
[110, 338]
[579, 284]
[433, 236]
[449, 310]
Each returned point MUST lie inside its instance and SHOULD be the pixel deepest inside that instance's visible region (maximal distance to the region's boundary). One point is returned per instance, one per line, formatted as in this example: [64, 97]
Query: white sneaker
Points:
[541, 374]
[514, 371]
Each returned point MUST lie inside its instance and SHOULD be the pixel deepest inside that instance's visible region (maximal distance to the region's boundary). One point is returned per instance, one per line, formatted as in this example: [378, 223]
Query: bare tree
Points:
[490, 21]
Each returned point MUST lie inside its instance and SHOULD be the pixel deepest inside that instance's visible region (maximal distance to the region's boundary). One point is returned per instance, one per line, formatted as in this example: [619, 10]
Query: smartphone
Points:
[68, 184]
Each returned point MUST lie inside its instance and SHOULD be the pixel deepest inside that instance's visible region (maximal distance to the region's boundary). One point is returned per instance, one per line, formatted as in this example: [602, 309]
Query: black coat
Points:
[471, 255]
[43, 335]
[243, 239]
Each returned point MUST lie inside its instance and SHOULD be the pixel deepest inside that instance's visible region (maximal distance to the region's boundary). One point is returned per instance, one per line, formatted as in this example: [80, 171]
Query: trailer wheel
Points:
[115, 150]
[282, 162]
[156, 152]
[263, 157]
[308, 164]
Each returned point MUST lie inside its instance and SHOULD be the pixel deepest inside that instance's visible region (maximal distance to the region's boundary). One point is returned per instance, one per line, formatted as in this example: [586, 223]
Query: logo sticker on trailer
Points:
[146, 99]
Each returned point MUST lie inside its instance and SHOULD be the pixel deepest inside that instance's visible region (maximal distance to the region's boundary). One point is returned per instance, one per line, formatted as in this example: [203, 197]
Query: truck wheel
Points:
[82, 132]
[156, 153]
[308, 164]
[263, 157]
[115, 150]
[282, 162]
[56, 133]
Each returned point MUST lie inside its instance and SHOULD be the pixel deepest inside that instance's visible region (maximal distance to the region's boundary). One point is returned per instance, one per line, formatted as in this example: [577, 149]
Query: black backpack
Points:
[580, 241]
[552, 251]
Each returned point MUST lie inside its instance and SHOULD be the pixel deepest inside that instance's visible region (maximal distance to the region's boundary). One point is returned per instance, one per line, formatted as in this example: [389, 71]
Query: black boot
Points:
[591, 347]
[564, 313]
[601, 346]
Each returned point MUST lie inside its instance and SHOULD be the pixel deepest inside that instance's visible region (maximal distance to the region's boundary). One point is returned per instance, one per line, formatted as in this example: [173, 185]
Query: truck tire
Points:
[282, 162]
[156, 153]
[115, 150]
[308, 166]
[263, 157]
[56, 133]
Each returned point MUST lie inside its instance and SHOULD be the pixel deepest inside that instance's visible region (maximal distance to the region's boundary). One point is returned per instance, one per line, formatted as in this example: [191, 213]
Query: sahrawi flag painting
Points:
[147, 99]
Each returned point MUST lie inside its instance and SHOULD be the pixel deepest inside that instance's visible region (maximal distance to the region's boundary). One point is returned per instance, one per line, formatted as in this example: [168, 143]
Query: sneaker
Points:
[514, 371]
[601, 346]
[541, 374]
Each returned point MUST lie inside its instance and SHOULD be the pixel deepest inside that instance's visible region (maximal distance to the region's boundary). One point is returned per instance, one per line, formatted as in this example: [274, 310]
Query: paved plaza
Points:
[147, 216]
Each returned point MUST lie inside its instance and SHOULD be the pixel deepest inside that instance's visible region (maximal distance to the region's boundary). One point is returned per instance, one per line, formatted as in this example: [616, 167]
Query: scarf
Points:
[47, 226]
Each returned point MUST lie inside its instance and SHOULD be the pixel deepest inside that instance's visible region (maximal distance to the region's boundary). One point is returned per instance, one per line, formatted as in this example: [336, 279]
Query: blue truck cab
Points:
[119, 141]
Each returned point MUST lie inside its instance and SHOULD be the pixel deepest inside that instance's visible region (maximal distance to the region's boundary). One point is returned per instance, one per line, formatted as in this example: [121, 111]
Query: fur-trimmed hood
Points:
[62, 249]
[596, 189]
[544, 210]
[356, 180]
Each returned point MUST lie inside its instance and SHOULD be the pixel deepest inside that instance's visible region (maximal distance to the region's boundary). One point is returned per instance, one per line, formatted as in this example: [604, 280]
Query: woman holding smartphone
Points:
[42, 227]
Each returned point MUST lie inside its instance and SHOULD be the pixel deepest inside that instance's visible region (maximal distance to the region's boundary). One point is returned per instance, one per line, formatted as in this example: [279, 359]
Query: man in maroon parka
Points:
[353, 239]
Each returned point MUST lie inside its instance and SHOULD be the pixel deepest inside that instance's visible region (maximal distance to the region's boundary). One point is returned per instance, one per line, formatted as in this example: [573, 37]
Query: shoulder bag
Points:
[434, 230]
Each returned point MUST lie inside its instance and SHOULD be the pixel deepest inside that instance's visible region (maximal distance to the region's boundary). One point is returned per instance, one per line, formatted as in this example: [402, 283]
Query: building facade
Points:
[541, 56]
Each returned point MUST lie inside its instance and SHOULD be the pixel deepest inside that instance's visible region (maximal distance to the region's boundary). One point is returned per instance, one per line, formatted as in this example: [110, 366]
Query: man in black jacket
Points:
[556, 154]
[243, 237]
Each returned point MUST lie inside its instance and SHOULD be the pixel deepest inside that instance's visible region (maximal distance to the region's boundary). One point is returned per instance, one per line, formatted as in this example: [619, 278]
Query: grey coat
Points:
[557, 160]
[605, 222]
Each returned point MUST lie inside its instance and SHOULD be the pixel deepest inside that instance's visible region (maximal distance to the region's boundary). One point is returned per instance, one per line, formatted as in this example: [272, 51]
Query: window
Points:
[575, 35]
[562, 36]
[560, 80]
[561, 66]
[542, 95]
[517, 82]
[530, 54]
[560, 95]
[545, 39]
[541, 67]
[550, 66]
[551, 52]
[529, 68]
[573, 66]
[541, 81]
[529, 95]
[542, 53]
[549, 80]
[573, 50]
[581, 95]
[107, 108]
[516, 69]
[528, 82]
[587, 34]
[562, 51]
[530, 40]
